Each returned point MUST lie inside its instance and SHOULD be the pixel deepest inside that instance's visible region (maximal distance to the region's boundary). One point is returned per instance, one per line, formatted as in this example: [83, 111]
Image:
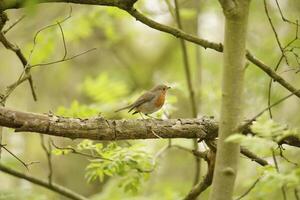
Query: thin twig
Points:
[54, 187]
[190, 87]
[63, 60]
[206, 182]
[284, 157]
[49, 157]
[188, 37]
[14, 24]
[74, 151]
[64, 41]
[52, 25]
[296, 194]
[26, 165]
[270, 87]
[9, 89]
[277, 169]
[7, 44]
[262, 112]
[249, 189]
[282, 16]
[275, 33]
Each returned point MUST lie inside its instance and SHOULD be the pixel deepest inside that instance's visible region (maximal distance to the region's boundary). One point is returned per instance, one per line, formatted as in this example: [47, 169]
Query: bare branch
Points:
[243, 150]
[49, 157]
[26, 165]
[281, 149]
[264, 110]
[127, 6]
[187, 70]
[249, 190]
[14, 24]
[63, 60]
[282, 16]
[54, 187]
[52, 25]
[275, 33]
[209, 157]
[21, 57]
[98, 128]
[23, 77]
[253, 157]
[270, 87]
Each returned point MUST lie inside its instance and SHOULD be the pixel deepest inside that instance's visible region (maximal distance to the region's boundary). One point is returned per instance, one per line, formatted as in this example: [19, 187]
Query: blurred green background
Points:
[130, 58]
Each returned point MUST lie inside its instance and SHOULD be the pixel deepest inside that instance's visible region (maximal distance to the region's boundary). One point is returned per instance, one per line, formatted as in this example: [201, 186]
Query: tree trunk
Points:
[236, 17]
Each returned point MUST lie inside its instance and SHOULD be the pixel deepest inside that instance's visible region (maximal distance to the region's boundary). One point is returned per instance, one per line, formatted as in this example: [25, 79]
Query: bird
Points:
[149, 102]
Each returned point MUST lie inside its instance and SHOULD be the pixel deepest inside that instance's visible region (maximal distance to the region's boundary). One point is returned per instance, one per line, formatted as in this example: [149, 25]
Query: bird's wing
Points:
[148, 96]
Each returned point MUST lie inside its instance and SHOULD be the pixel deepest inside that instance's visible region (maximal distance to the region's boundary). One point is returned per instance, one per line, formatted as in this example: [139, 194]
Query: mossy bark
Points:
[236, 17]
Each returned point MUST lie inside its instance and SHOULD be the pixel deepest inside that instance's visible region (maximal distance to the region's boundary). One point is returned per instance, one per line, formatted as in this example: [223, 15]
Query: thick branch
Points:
[100, 129]
[124, 4]
[54, 187]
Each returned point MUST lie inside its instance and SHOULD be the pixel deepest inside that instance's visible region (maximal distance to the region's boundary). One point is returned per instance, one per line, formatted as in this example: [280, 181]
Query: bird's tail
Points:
[126, 107]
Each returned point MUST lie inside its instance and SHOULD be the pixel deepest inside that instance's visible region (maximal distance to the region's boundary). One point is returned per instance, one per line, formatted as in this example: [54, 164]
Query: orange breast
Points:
[160, 100]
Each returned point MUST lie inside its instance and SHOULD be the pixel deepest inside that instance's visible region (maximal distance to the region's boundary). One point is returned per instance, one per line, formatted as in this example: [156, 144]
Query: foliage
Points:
[267, 133]
[77, 110]
[132, 57]
[132, 164]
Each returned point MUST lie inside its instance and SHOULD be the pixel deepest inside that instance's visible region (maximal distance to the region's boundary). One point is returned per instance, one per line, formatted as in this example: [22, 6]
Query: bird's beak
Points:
[168, 88]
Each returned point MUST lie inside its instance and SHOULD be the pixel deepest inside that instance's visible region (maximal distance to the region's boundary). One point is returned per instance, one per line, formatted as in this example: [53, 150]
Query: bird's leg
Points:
[141, 115]
[152, 117]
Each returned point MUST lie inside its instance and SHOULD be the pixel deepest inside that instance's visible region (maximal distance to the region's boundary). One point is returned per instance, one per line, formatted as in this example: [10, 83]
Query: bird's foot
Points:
[153, 117]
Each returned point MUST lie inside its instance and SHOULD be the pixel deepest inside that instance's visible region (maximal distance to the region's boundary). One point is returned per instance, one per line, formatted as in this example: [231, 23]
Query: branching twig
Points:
[249, 189]
[128, 7]
[282, 16]
[74, 151]
[63, 60]
[23, 77]
[14, 24]
[26, 165]
[52, 25]
[54, 187]
[284, 157]
[262, 112]
[7, 44]
[49, 158]
[209, 157]
[284, 49]
[275, 33]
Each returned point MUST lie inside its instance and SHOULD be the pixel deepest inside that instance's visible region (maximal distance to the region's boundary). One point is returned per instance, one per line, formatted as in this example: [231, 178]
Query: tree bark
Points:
[236, 18]
[98, 128]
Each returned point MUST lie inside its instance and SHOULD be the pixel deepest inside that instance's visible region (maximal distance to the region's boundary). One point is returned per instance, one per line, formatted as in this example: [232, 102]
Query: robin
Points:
[149, 102]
